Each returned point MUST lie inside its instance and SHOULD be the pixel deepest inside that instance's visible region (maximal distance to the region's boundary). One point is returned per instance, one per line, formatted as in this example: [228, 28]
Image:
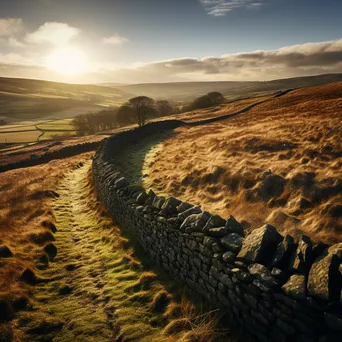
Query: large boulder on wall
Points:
[260, 244]
[325, 279]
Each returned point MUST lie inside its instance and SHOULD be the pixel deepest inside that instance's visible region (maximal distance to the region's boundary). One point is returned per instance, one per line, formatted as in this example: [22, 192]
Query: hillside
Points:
[188, 90]
[25, 99]
[279, 162]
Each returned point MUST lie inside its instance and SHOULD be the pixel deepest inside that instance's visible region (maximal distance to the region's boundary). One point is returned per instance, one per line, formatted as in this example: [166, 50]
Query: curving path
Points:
[90, 292]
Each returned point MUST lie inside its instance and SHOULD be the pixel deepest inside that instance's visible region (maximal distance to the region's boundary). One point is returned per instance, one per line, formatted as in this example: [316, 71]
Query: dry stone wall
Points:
[277, 288]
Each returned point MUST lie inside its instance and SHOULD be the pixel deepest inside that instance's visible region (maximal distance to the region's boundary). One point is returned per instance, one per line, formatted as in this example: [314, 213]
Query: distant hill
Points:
[266, 87]
[26, 99]
[185, 91]
[30, 100]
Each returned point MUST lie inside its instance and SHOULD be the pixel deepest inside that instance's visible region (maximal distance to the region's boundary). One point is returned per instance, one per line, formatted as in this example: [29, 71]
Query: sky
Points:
[142, 41]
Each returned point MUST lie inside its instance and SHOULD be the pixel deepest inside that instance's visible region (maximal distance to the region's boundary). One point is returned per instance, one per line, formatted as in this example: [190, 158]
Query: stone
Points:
[225, 280]
[133, 190]
[195, 222]
[253, 290]
[217, 247]
[233, 242]
[170, 206]
[333, 322]
[263, 274]
[209, 241]
[284, 251]
[287, 328]
[260, 244]
[183, 206]
[295, 287]
[277, 335]
[302, 259]
[279, 274]
[158, 202]
[261, 286]
[217, 232]
[121, 183]
[234, 226]
[5, 252]
[324, 281]
[229, 257]
[141, 198]
[214, 222]
[193, 210]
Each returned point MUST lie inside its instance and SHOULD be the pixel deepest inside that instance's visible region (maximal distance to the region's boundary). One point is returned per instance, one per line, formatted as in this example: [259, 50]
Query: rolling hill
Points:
[26, 99]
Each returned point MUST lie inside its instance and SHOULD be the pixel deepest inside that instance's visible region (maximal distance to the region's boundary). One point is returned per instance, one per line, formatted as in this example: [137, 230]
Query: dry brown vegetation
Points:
[212, 112]
[27, 227]
[280, 162]
[96, 286]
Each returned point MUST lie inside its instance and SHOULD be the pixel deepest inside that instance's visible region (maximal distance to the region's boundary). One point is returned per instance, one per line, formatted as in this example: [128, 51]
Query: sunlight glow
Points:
[67, 61]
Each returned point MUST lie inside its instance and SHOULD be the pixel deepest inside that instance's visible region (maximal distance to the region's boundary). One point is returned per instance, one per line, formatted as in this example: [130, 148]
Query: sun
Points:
[67, 61]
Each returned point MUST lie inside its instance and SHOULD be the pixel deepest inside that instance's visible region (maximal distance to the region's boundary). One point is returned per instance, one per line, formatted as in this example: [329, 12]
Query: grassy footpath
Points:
[97, 290]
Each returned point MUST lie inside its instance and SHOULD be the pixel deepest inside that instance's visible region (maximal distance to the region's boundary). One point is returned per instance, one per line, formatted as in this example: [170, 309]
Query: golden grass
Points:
[223, 166]
[97, 287]
[26, 223]
[213, 112]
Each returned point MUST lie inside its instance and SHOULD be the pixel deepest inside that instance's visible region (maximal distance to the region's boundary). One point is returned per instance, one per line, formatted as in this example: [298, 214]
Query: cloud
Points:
[52, 32]
[14, 59]
[219, 8]
[291, 61]
[13, 42]
[10, 26]
[114, 40]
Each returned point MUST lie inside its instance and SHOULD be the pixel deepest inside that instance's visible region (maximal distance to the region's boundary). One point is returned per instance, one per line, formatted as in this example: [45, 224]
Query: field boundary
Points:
[278, 289]
[68, 151]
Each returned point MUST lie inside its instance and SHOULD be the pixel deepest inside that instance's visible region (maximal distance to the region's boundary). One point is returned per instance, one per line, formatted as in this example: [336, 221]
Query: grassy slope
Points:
[24, 99]
[189, 90]
[97, 287]
[223, 166]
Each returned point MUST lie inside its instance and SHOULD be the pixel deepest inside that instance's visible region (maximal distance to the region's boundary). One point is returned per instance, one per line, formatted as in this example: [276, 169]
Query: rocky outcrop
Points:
[278, 289]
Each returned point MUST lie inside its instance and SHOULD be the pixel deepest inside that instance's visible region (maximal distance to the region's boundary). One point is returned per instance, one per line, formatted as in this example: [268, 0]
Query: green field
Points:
[36, 110]
[57, 125]
[46, 130]
[22, 137]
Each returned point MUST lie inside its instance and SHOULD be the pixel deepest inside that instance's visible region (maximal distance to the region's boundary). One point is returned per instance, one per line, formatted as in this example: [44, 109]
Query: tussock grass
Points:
[224, 166]
[26, 226]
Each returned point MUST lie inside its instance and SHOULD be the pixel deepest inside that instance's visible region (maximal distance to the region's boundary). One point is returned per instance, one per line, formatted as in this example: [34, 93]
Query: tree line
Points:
[136, 111]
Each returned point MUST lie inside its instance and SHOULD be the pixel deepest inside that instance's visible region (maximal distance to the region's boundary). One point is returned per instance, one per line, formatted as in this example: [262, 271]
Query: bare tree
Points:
[140, 108]
[164, 107]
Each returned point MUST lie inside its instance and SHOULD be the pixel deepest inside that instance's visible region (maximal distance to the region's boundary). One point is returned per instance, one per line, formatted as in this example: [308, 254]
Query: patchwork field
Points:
[279, 162]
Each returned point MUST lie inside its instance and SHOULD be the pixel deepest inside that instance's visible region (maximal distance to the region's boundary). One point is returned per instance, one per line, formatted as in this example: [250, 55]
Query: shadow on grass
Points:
[132, 158]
